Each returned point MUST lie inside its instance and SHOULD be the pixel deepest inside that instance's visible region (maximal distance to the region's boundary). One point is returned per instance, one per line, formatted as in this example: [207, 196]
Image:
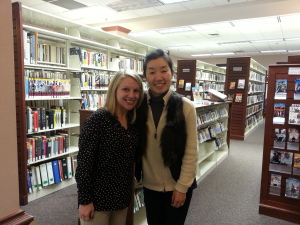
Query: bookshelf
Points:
[50, 49]
[277, 197]
[213, 123]
[245, 86]
[196, 73]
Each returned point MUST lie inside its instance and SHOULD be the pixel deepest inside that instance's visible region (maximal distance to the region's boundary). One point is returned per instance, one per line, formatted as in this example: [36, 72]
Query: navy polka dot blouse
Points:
[104, 174]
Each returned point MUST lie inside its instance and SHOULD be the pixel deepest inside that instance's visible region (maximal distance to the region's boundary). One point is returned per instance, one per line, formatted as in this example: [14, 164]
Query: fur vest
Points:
[173, 138]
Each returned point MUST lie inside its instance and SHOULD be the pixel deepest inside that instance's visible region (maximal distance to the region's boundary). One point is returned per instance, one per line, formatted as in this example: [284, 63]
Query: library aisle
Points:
[228, 195]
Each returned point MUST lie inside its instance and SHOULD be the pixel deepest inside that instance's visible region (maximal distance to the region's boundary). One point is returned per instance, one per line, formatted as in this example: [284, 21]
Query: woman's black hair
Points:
[155, 54]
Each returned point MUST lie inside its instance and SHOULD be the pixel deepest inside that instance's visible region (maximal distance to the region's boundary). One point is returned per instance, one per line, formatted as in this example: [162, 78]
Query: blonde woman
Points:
[107, 146]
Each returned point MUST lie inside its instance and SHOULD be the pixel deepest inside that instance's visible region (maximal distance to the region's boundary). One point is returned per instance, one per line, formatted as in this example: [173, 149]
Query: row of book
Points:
[254, 87]
[289, 140]
[285, 162]
[93, 100]
[124, 63]
[257, 77]
[211, 115]
[280, 113]
[254, 119]
[281, 89]
[47, 88]
[41, 147]
[39, 50]
[210, 132]
[46, 74]
[291, 189]
[205, 86]
[252, 99]
[50, 173]
[40, 118]
[202, 75]
[94, 79]
[254, 109]
[138, 200]
[90, 58]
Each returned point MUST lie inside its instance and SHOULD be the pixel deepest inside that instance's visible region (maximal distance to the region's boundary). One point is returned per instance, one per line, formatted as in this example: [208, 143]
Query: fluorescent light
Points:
[272, 51]
[226, 53]
[292, 39]
[142, 33]
[172, 1]
[179, 46]
[174, 30]
[201, 55]
[266, 40]
[234, 42]
[293, 50]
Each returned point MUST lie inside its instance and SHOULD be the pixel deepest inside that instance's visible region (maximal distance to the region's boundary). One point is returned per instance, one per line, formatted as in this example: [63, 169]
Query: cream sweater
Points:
[157, 176]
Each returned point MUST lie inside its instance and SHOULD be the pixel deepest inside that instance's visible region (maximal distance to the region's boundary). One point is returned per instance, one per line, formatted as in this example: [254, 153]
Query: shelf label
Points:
[186, 70]
[294, 71]
[237, 68]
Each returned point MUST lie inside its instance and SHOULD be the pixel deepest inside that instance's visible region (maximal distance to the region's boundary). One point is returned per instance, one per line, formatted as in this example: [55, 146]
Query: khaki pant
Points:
[107, 218]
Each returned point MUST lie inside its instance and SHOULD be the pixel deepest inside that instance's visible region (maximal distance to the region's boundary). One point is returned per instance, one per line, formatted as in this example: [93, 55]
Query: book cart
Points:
[204, 76]
[245, 87]
[280, 181]
[83, 58]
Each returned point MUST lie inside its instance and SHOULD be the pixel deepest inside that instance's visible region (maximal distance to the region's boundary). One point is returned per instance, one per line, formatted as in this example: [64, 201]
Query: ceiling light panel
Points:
[68, 4]
[174, 30]
[121, 5]
[173, 1]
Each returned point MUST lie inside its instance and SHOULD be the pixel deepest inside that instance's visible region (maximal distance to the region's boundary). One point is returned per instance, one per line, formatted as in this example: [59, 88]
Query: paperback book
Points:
[280, 138]
[296, 168]
[292, 188]
[280, 92]
[297, 89]
[232, 85]
[293, 139]
[275, 184]
[241, 84]
[238, 97]
[279, 113]
[294, 114]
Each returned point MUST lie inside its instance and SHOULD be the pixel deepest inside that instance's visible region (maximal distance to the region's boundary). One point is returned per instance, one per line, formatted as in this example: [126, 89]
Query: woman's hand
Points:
[178, 199]
[86, 212]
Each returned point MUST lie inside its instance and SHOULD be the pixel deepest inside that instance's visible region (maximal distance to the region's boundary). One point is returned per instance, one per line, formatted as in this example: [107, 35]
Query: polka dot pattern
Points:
[105, 162]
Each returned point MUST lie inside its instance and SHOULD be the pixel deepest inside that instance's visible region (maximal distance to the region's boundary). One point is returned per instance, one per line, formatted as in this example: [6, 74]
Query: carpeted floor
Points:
[229, 195]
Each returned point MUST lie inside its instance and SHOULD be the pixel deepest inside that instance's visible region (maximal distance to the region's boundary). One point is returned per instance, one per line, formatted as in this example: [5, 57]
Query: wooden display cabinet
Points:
[278, 198]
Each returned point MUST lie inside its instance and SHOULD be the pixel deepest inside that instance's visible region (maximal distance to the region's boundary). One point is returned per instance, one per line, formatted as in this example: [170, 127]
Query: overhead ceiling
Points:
[211, 27]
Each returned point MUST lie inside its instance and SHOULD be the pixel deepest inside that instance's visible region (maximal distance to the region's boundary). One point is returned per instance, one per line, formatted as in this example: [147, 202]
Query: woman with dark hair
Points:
[107, 146]
[167, 158]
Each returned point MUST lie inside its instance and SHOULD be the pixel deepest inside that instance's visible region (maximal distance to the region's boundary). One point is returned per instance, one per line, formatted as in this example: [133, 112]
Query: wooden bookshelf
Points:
[276, 198]
[199, 74]
[247, 113]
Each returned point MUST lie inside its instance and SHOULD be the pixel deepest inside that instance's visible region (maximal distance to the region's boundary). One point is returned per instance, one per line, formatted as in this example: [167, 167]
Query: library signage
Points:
[294, 71]
[187, 70]
[237, 68]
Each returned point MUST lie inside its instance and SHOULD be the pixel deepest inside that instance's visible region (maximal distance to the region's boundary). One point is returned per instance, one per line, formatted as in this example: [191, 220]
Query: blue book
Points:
[56, 172]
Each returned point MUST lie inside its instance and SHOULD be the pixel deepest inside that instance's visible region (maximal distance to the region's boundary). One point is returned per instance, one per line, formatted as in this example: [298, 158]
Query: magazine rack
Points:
[280, 180]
